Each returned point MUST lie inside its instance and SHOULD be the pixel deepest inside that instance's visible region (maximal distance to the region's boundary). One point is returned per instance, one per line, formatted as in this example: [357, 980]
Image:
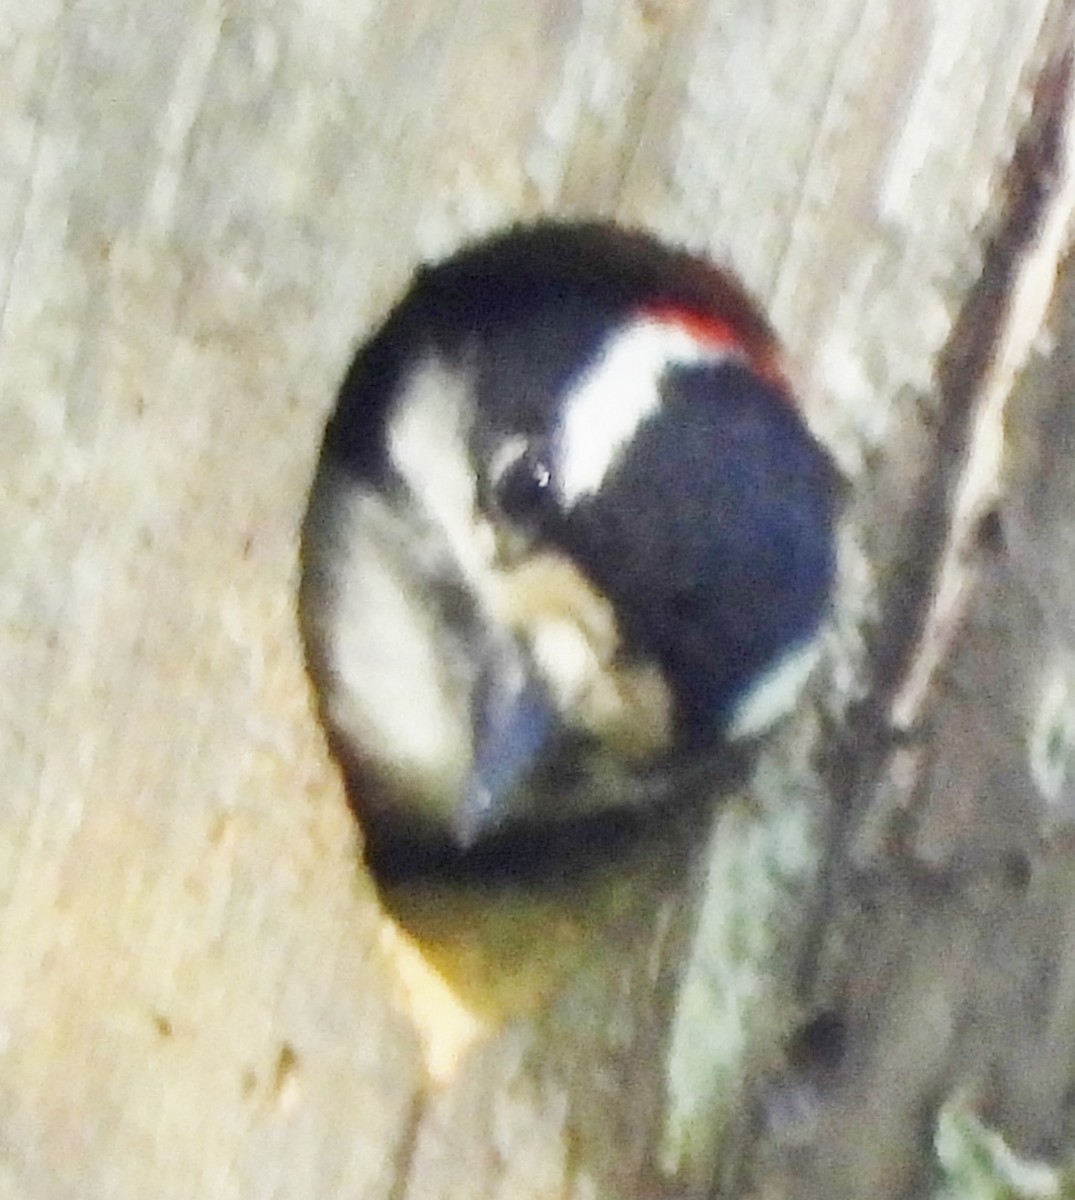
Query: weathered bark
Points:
[202, 206]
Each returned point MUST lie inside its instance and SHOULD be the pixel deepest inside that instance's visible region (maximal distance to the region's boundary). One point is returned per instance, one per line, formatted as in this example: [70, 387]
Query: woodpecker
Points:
[569, 539]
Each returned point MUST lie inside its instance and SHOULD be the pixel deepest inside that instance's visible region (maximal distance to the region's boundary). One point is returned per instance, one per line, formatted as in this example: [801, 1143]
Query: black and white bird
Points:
[569, 538]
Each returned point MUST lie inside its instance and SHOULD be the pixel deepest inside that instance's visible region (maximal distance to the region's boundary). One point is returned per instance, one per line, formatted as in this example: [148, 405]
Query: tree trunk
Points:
[851, 977]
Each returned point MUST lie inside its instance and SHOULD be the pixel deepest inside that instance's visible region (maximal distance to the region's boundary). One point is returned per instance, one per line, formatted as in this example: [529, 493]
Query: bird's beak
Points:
[514, 726]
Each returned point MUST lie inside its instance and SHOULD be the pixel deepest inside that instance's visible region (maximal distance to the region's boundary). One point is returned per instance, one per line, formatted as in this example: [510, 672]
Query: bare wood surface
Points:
[202, 206]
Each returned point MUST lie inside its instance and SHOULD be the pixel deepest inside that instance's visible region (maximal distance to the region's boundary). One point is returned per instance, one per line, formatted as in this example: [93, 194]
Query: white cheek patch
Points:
[619, 393]
[428, 445]
[400, 686]
[393, 690]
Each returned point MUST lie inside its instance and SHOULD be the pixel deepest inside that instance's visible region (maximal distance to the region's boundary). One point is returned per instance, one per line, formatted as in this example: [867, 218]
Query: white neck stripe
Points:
[617, 395]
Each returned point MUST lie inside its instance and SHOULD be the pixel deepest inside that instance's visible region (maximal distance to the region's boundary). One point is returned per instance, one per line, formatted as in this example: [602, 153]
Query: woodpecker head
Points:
[569, 537]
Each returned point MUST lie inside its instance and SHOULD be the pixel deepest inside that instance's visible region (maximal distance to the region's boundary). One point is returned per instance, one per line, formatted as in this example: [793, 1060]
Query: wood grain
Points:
[203, 205]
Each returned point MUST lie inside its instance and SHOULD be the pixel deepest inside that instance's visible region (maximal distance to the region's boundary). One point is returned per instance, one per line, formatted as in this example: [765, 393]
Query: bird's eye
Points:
[523, 488]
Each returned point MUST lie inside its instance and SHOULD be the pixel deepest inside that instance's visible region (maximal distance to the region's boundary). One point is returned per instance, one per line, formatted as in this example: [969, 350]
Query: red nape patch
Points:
[722, 337]
[714, 332]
